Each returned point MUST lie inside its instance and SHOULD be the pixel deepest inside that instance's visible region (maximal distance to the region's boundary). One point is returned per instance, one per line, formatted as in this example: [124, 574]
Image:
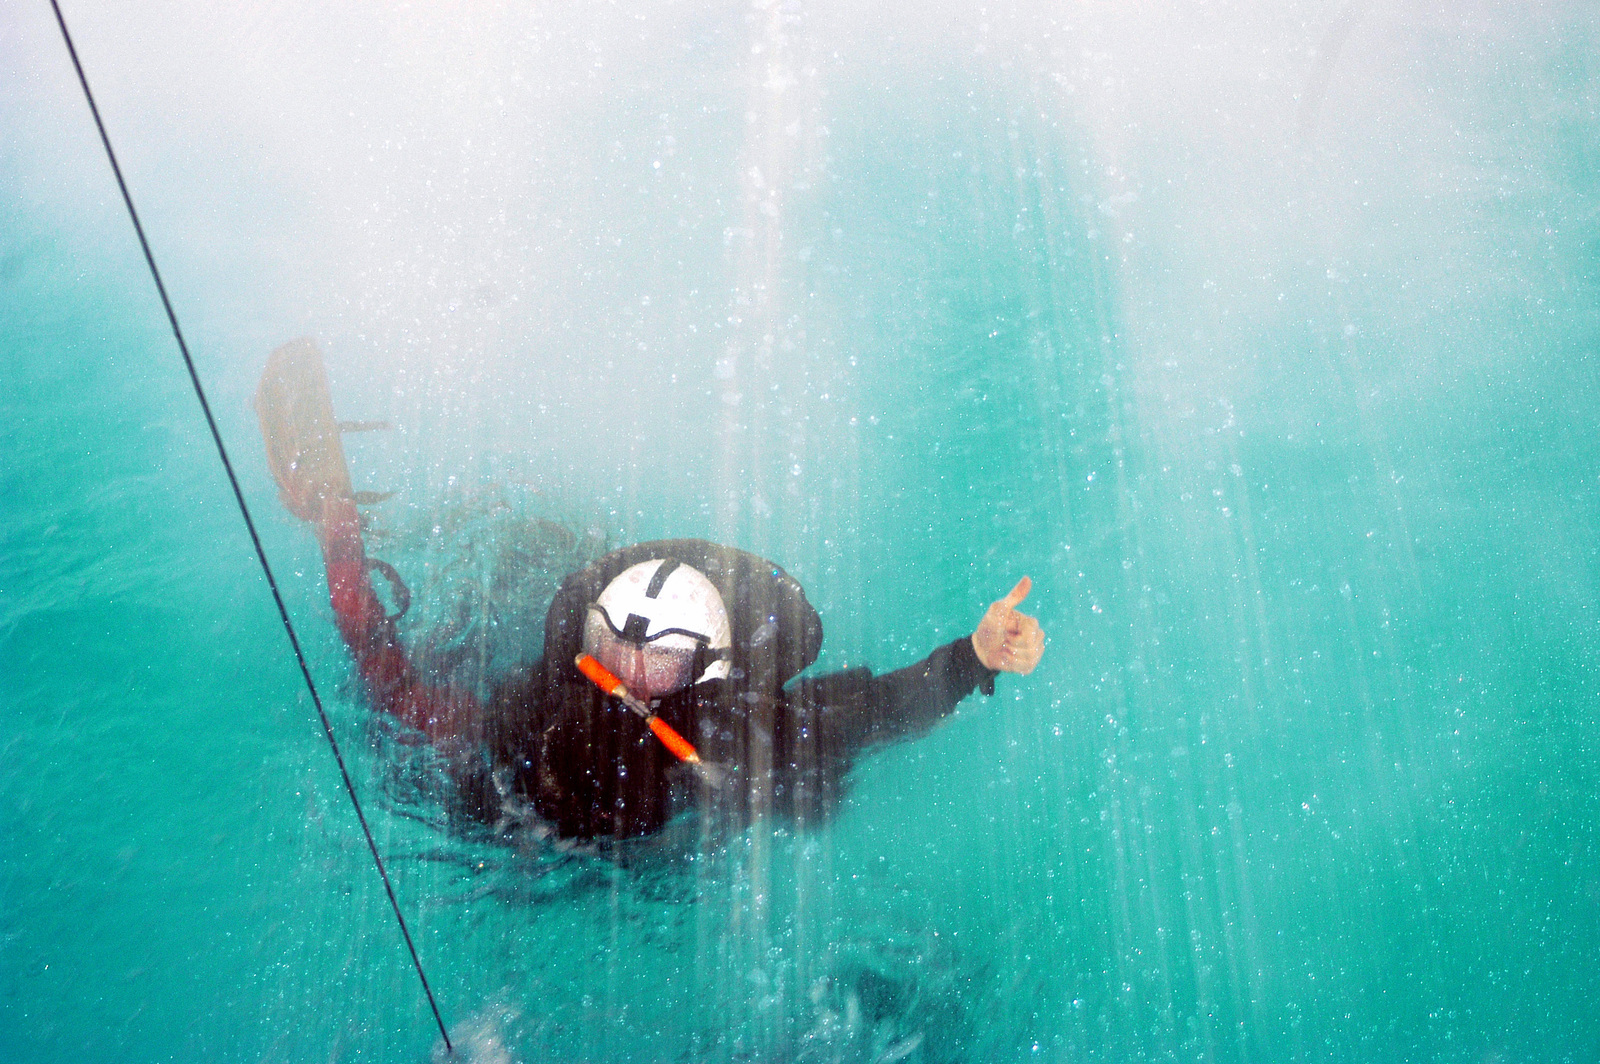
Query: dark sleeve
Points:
[845, 712]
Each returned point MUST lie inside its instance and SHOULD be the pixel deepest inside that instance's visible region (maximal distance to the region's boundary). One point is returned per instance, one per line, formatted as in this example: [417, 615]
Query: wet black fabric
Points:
[591, 769]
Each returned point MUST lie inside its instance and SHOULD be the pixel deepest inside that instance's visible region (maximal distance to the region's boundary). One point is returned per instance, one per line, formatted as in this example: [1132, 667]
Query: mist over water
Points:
[1263, 336]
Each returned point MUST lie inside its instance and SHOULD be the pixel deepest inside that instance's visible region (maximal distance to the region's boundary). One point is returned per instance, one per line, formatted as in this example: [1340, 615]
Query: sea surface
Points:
[1265, 337]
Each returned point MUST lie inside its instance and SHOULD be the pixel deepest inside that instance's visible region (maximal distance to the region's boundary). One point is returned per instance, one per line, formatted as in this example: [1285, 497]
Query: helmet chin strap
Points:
[704, 660]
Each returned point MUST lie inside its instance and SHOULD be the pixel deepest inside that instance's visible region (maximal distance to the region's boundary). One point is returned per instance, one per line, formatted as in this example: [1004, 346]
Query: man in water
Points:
[656, 654]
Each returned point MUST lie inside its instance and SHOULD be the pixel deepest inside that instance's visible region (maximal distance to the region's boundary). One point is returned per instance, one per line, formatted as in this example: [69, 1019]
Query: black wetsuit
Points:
[592, 769]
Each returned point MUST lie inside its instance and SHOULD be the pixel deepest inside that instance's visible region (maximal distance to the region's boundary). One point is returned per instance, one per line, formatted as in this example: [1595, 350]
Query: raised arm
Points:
[307, 460]
[843, 713]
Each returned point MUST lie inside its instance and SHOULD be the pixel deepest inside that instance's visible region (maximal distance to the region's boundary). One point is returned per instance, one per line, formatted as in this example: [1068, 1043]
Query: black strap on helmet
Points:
[774, 630]
[659, 580]
[636, 629]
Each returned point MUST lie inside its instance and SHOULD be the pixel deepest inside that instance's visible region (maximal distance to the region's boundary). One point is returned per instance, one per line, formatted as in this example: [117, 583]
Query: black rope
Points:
[238, 494]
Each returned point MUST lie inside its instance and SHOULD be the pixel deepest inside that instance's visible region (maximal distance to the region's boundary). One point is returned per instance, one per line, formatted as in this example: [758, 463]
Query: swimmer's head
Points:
[660, 626]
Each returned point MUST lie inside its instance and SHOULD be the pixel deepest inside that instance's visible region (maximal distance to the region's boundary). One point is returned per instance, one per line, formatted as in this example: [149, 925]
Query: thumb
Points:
[1014, 598]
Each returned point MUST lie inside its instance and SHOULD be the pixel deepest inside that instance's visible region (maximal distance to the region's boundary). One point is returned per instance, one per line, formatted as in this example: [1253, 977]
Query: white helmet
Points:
[656, 624]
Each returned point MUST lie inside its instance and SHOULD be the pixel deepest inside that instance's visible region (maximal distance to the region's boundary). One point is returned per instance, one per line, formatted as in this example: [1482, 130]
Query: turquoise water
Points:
[1263, 338]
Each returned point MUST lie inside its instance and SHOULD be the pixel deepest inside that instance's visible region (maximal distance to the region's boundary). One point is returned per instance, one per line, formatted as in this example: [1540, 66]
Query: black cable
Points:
[238, 494]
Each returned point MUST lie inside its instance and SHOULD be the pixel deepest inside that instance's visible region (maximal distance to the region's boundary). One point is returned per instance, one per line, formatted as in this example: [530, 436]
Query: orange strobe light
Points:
[602, 678]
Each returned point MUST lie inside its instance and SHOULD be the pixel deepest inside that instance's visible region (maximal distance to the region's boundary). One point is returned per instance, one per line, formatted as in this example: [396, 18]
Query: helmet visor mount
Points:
[650, 666]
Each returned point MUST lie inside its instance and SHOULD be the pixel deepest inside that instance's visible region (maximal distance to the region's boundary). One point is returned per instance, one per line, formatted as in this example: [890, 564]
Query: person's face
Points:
[649, 670]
